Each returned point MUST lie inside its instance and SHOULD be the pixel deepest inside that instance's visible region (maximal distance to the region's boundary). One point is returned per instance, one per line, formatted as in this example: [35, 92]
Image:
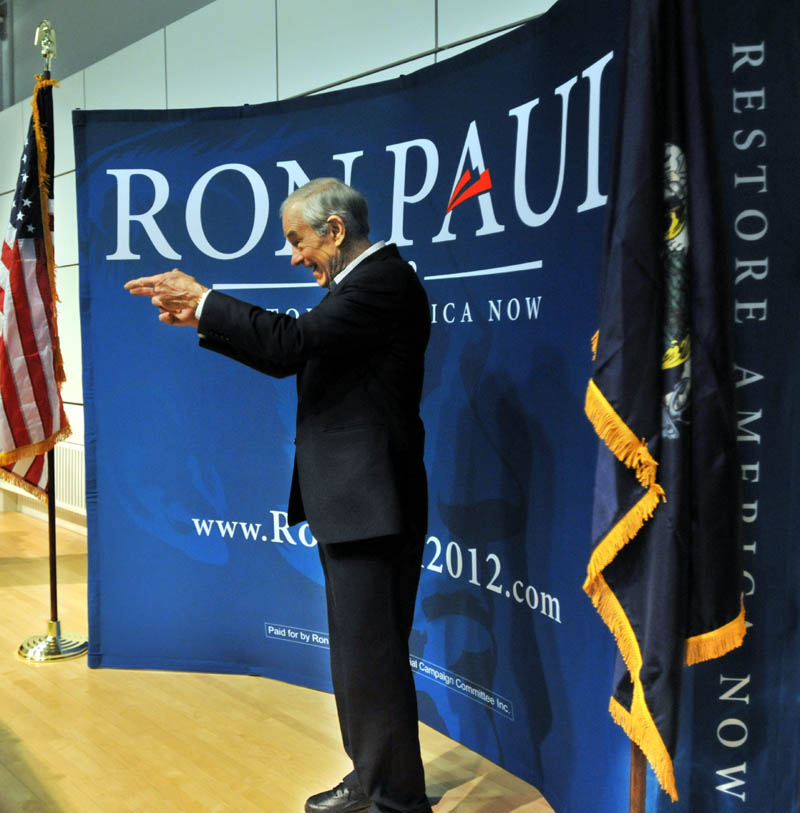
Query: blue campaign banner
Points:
[489, 171]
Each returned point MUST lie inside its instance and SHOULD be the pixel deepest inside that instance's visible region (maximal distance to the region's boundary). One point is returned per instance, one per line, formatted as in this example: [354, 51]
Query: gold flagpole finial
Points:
[46, 35]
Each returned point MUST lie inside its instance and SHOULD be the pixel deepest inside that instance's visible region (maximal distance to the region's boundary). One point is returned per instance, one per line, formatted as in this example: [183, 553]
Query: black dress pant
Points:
[371, 588]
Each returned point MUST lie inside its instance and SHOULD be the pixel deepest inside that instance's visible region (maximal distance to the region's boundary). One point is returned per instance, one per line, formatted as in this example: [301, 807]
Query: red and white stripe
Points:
[32, 412]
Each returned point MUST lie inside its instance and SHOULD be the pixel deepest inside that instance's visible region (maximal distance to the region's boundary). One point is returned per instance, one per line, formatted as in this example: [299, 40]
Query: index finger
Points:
[142, 282]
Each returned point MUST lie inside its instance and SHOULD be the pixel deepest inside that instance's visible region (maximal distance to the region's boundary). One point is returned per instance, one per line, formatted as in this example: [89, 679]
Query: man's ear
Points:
[336, 229]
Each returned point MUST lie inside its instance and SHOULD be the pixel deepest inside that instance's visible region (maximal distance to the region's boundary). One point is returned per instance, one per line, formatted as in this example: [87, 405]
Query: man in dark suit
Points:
[358, 478]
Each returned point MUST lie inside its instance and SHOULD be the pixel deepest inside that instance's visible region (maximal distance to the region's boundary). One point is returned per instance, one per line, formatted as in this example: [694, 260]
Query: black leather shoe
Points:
[337, 800]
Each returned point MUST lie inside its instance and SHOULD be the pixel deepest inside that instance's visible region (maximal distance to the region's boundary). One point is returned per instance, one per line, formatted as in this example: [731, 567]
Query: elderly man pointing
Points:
[359, 478]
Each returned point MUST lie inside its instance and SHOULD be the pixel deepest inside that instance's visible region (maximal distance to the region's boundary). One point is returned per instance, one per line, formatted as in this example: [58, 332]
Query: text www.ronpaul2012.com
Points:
[450, 560]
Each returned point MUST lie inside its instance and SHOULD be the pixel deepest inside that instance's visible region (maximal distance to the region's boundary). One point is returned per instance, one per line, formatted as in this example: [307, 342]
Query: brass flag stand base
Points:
[52, 646]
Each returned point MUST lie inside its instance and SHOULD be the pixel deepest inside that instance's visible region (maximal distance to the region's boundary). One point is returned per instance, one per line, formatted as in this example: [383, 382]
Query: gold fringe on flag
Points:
[33, 449]
[716, 643]
[633, 452]
[21, 482]
[637, 723]
[44, 199]
[640, 728]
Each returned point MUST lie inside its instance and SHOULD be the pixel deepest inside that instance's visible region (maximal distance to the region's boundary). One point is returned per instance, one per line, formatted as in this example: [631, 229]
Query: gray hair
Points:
[323, 197]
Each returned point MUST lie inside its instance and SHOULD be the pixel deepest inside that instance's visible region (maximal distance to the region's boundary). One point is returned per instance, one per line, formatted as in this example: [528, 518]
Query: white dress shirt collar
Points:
[339, 278]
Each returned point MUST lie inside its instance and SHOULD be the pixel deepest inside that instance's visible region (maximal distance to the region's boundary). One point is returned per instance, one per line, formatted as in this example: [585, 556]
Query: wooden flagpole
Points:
[637, 801]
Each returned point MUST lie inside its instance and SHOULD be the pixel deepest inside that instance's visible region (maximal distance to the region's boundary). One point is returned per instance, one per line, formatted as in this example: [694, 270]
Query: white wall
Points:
[232, 52]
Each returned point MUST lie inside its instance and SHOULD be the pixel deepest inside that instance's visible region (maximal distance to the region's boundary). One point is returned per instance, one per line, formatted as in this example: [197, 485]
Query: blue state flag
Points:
[665, 569]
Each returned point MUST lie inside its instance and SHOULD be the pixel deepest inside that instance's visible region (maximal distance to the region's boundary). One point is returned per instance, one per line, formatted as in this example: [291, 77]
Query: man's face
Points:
[314, 251]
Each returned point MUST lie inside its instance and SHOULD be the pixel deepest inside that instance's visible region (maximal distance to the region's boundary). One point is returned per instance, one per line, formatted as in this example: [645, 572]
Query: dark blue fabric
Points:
[664, 362]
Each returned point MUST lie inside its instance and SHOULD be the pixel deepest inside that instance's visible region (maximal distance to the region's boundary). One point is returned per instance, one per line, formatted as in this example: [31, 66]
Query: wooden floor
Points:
[75, 739]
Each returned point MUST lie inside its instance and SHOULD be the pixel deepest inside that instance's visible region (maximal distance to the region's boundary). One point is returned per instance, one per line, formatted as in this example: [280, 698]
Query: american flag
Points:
[32, 418]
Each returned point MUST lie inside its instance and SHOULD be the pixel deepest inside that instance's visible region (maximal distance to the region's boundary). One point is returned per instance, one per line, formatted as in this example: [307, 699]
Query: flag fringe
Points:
[44, 199]
[716, 643]
[610, 610]
[617, 435]
[632, 452]
[34, 449]
[637, 723]
[643, 732]
[21, 482]
[622, 533]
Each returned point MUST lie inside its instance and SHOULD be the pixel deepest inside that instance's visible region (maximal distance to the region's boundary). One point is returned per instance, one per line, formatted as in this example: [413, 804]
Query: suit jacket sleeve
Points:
[343, 323]
[229, 326]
